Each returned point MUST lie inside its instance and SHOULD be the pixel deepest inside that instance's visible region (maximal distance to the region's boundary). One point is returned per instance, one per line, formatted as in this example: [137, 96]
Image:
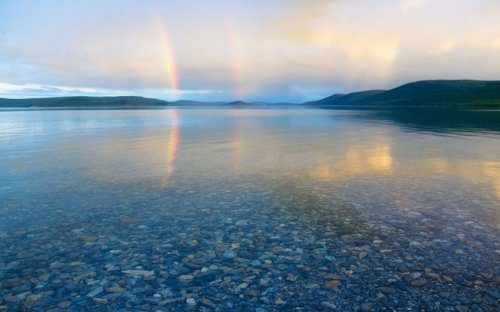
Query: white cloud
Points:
[412, 4]
[267, 50]
[37, 90]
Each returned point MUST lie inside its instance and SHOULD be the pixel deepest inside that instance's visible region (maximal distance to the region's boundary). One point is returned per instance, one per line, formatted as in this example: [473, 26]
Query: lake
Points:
[249, 209]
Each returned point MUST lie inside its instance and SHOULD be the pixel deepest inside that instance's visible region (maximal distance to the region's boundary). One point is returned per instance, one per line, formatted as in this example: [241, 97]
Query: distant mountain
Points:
[112, 101]
[196, 103]
[240, 103]
[428, 93]
[436, 93]
[84, 101]
[351, 98]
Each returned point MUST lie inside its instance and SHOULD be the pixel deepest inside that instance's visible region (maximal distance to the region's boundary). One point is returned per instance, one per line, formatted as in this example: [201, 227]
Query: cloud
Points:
[37, 90]
[412, 4]
[379, 44]
[269, 50]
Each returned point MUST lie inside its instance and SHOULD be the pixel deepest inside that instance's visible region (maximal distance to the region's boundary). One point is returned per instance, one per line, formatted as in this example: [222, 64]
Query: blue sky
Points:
[276, 50]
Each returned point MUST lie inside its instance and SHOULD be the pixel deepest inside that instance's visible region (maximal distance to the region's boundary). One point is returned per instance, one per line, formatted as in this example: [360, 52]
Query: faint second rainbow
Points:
[236, 58]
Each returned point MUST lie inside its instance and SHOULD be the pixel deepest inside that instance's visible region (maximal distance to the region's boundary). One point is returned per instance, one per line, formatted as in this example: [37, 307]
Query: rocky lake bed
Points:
[243, 253]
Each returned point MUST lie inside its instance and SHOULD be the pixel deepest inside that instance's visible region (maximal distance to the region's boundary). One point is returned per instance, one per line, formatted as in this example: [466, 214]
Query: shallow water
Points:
[248, 209]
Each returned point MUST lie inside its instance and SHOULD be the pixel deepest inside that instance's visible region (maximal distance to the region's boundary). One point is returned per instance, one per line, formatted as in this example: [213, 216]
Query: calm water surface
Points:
[249, 209]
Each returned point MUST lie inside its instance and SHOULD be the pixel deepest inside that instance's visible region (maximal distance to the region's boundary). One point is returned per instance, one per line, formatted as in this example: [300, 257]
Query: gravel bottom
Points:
[242, 246]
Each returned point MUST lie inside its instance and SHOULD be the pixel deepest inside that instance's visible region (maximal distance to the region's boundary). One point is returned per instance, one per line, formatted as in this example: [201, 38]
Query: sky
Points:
[253, 50]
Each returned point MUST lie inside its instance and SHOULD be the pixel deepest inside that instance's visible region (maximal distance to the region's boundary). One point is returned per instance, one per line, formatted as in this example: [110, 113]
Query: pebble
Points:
[89, 239]
[331, 277]
[414, 244]
[56, 265]
[208, 303]
[100, 300]
[277, 250]
[242, 286]
[142, 273]
[329, 305]
[416, 275]
[333, 284]
[366, 307]
[185, 278]
[279, 301]
[96, 291]
[461, 308]
[419, 282]
[115, 289]
[64, 304]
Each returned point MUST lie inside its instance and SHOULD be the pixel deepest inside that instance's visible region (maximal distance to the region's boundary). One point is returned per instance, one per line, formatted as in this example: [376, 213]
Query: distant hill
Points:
[240, 103]
[195, 103]
[436, 93]
[111, 101]
[429, 93]
[84, 101]
[351, 98]
[115, 101]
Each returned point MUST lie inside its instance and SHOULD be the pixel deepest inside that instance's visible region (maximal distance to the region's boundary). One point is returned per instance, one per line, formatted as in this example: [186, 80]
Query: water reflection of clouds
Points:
[379, 159]
[357, 160]
[347, 155]
[491, 171]
[234, 143]
[471, 171]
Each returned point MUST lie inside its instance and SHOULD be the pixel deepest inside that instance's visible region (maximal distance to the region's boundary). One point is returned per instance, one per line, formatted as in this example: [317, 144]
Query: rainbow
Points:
[236, 59]
[169, 57]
